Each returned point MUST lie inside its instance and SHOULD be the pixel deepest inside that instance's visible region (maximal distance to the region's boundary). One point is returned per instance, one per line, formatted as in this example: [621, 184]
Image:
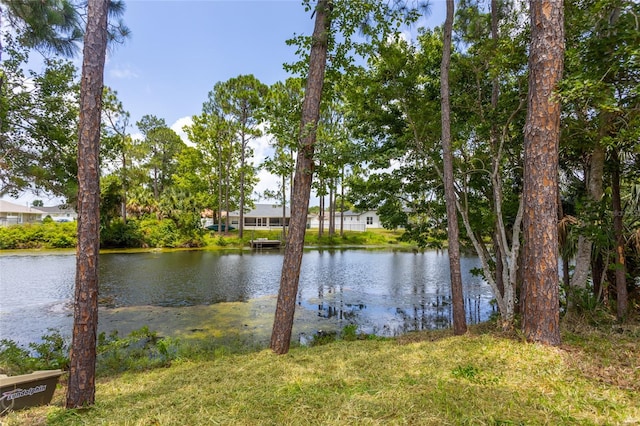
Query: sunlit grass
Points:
[422, 378]
[372, 237]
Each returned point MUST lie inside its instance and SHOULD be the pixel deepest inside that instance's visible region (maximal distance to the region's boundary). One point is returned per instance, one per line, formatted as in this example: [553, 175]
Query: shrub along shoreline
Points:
[151, 233]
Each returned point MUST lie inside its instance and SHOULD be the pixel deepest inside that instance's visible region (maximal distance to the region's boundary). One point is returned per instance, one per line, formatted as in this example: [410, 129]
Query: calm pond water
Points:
[383, 292]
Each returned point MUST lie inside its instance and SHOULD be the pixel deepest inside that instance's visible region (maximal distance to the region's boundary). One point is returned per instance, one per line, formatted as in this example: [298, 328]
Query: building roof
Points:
[61, 209]
[7, 207]
[264, 210]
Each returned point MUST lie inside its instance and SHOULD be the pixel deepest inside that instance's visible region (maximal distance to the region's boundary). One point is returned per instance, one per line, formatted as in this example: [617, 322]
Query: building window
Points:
[369, 220]
[275, 221]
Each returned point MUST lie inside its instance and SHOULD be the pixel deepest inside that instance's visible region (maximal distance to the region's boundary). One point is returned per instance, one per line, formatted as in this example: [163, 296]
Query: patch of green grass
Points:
[373, 237]
[428, 379]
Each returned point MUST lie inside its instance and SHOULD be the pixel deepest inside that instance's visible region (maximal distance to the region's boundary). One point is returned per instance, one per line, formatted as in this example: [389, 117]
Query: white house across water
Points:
[270, 216]
[14, 214]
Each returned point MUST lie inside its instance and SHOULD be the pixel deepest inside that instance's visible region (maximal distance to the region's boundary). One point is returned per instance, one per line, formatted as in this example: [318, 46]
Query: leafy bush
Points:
[583, 299]
[62, 241]
[349, 332]
[159, 233]
[38, 235]
[120, 234]
[14, 359]
[51, 353]
[141, 350]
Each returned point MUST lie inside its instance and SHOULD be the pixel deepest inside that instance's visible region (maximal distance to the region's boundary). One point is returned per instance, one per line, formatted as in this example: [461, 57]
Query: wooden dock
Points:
[262, 243]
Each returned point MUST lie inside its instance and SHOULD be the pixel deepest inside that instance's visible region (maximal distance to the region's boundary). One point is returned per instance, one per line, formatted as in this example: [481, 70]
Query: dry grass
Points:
[423, 378]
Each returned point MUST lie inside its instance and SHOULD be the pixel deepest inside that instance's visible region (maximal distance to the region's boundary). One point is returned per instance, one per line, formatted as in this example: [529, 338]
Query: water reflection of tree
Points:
[339, 309]
[430, 313]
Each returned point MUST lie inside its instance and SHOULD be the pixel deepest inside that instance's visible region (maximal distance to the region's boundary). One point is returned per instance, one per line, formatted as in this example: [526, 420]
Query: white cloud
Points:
[179, 124]
[261, 150]
[123, 73]
[266, 181]
[137, 136]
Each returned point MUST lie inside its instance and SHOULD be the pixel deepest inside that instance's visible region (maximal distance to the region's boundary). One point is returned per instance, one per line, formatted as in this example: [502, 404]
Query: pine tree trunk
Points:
[285, 308]
[342, 202]
[243, 147]
[321, 216]
[81, 390]
[284, 208]
[541, 312]
[622, 298]
[459, 320]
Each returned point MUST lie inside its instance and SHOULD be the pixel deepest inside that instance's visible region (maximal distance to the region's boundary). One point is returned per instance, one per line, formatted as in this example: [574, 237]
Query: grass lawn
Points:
[369, 238]
[427, 378]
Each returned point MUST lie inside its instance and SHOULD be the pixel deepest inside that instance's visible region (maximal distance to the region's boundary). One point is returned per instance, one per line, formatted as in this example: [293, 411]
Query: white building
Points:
[352, 221]
[14, 214]
[61, 213]
[269, 216]
[263, 216]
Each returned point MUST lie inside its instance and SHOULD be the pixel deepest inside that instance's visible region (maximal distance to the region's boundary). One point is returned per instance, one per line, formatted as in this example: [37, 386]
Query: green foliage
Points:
[140, 350]
[161, 233]
[122, 235]
[117, 234]
[46, 235]
[158, 153]
[424, 378]
[349, 332]
[367, 238]
[62, 241]
[468, 372]
[14, 360]
[165, 233]
[51, 353]
[151, 232]
[584, 299]
[49, 25]
[323, 338]
[38, 123]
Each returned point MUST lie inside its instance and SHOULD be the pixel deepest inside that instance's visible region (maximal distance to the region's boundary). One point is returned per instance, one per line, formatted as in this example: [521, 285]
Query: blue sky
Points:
[179, 49]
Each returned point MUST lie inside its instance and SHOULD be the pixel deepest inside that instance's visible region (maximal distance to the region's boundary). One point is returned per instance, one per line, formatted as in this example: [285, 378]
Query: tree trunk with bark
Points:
[504, 278]
[622, 298]
[284, 207]
[243, 149]
[595, 192]
[541, 311]
[286, 304]
[459, 320]
[81, 389]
